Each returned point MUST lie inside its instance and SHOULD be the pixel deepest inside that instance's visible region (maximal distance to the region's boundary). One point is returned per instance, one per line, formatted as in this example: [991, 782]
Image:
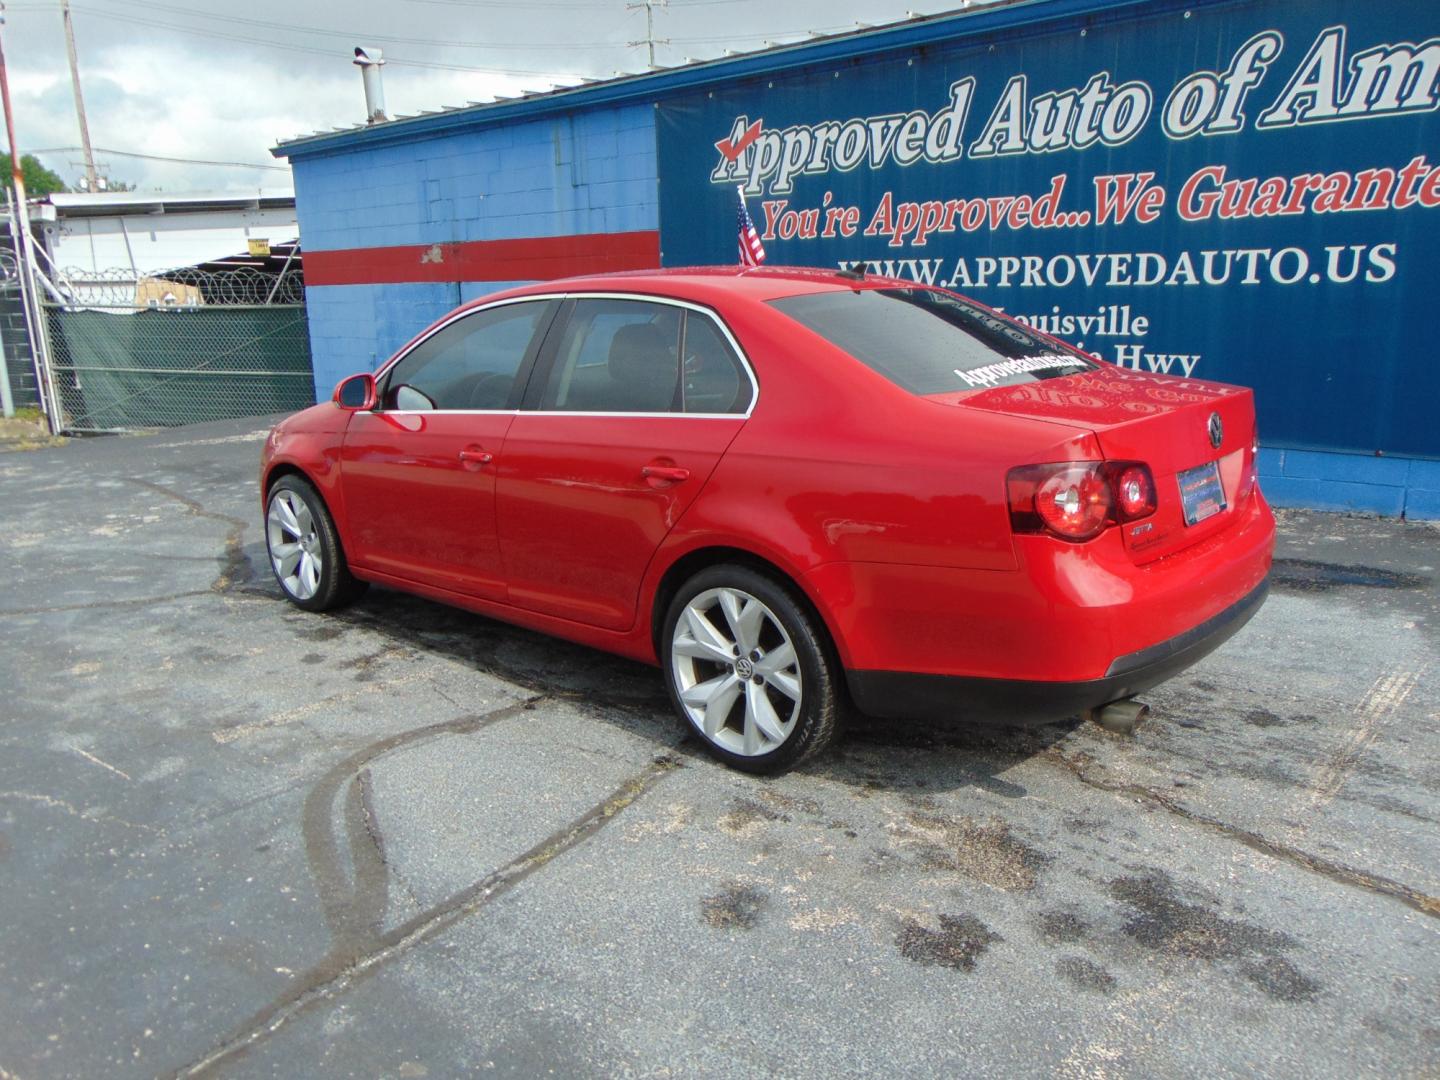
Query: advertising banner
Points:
[1244, 191]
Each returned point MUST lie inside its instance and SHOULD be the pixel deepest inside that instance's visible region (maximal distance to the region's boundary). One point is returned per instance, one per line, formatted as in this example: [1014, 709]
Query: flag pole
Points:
[748, 246]
[745, 211]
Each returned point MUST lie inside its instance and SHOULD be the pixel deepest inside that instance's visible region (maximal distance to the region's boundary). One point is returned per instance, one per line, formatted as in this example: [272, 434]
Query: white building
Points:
[140, 234]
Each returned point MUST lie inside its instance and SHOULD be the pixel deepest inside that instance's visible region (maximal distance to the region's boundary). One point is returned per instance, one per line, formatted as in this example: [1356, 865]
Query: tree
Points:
[38, 179]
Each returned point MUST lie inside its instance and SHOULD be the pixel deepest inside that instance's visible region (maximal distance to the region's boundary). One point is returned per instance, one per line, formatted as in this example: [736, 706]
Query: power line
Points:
[348, 35]
[532, 5]
[352, 35]
[769, 35]
[270, 43]
[158, 157]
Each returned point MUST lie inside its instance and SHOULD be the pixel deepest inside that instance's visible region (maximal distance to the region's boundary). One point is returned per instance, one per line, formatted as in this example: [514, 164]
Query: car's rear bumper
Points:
[902, 694]
[1062, 616]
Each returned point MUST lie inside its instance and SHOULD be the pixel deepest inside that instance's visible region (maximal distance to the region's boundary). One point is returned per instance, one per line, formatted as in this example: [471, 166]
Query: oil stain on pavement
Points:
[957, 942]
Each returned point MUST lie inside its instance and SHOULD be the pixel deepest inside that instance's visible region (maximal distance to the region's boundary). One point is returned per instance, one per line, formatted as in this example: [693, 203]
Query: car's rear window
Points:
[930, 342]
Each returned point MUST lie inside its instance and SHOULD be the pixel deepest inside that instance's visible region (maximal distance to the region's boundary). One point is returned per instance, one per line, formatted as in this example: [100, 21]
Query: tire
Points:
[304, 548]
[722, 695]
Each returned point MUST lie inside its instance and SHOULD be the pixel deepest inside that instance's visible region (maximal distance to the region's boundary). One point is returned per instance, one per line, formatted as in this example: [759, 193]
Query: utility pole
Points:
[92, 181]
[650, 40]
[17, 176]
[25, 252]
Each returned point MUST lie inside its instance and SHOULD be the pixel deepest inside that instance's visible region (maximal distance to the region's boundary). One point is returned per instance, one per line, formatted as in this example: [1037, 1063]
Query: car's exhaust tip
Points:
[1121, 717]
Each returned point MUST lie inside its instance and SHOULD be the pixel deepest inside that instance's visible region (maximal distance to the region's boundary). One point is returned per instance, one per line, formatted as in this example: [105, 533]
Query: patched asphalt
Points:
[238, 839]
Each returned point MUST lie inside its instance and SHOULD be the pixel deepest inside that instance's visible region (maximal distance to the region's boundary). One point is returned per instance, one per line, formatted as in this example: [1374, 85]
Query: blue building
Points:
[1240, 190]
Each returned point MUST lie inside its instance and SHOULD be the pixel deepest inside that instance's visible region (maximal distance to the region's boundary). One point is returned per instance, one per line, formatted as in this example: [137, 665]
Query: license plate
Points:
[1201, 494]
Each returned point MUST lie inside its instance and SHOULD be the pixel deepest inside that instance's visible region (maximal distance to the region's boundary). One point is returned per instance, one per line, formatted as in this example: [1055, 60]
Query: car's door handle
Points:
[671, 473]
[480, 457]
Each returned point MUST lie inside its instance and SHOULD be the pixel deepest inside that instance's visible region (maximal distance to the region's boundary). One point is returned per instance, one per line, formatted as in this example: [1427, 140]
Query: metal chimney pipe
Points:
[370, 61]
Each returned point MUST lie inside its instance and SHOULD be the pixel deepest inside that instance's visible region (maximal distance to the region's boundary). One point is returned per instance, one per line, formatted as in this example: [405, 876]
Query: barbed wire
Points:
[185, 287]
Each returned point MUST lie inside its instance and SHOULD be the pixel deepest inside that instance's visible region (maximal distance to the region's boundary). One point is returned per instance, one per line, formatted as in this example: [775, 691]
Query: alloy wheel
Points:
[736, 672]
[294, 543]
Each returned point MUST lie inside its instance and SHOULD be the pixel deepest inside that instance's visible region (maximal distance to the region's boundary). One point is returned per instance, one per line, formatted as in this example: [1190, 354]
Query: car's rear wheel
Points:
[304, 548]
[750, 670]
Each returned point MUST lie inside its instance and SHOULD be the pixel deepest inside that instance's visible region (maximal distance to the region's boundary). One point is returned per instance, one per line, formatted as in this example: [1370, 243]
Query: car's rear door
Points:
[616, 438]
[418, 473]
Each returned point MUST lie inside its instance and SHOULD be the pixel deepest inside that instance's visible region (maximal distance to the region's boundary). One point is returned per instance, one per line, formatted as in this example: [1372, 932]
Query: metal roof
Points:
[70, 204]
[911, 34]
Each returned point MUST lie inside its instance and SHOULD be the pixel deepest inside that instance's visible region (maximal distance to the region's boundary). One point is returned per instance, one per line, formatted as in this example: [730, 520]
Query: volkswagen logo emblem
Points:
[1216, 430]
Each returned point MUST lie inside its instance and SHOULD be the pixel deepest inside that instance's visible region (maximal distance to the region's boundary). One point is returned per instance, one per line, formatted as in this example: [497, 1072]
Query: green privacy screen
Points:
[160, 368]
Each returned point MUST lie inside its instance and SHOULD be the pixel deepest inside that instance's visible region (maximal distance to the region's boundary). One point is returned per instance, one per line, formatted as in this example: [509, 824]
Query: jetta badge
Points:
[1216, 430]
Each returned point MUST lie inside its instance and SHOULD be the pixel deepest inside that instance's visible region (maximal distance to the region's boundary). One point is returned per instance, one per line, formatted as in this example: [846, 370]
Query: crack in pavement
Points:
[103, 764]
[225, 735]
[355, 914]
[74, 811]
[361, 815]
[1336, 872]
[235, 564]
[236, 569]
[95, 605]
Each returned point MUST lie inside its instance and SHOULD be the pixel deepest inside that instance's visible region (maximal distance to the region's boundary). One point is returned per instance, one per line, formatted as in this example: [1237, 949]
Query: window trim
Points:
[533, 350]
[545, 341]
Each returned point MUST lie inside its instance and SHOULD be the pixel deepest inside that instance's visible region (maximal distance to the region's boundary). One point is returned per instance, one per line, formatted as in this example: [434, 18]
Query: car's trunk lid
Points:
[1162, 421]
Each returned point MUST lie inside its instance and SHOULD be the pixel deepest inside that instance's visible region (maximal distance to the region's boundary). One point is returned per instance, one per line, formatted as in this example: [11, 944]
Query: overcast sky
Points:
[216, 80]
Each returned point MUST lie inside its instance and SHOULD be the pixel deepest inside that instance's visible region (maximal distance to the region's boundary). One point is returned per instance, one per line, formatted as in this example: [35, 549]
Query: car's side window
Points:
[470, 364]
[714, 381]
[616, 356]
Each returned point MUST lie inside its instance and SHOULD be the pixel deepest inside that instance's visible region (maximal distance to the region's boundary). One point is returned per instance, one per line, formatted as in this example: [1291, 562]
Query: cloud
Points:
[151, 88]
[201, 110]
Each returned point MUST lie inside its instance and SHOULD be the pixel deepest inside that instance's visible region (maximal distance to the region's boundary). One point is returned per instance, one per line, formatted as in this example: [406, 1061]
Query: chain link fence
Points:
[130, 351]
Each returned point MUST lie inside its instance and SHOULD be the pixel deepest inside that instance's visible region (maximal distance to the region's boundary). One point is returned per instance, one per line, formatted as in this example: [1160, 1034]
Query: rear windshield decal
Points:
[991, 374]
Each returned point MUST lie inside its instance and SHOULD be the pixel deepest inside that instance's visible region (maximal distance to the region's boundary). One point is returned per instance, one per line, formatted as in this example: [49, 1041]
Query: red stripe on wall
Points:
[536, 258]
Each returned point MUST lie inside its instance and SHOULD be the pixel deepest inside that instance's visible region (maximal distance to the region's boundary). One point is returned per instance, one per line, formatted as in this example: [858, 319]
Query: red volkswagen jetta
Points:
[787, 488]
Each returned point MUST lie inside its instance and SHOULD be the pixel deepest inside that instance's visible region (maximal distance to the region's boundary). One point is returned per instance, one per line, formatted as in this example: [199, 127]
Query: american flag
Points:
[752, 252]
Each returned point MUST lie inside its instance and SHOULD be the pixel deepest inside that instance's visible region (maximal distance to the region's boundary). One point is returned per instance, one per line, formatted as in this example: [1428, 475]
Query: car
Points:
[796, 491]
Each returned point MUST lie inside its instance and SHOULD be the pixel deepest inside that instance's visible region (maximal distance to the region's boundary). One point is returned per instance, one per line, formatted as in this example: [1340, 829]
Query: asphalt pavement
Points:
[237, 839]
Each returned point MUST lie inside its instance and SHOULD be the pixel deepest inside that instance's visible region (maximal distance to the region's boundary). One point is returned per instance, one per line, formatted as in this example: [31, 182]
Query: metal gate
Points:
[134, 352]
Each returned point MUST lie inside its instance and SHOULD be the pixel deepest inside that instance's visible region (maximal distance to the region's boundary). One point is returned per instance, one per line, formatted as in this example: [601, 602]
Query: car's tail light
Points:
[1134, 492]
[1070, 499]
[1077, 500]
[1250, 476]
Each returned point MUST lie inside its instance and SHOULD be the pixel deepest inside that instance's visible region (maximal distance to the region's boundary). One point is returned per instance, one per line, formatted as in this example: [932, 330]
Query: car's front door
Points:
[418, 473]
[616, 438]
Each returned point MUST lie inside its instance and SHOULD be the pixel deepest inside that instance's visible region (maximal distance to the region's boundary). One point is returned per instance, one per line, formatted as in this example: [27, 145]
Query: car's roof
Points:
[712, 284]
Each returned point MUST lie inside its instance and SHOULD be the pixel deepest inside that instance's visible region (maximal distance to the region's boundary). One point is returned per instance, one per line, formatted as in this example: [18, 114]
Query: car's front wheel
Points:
[304, 548]
[750, 669]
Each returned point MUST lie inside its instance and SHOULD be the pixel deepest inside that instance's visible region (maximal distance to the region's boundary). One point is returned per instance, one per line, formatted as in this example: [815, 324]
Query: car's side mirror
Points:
[357, 393]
